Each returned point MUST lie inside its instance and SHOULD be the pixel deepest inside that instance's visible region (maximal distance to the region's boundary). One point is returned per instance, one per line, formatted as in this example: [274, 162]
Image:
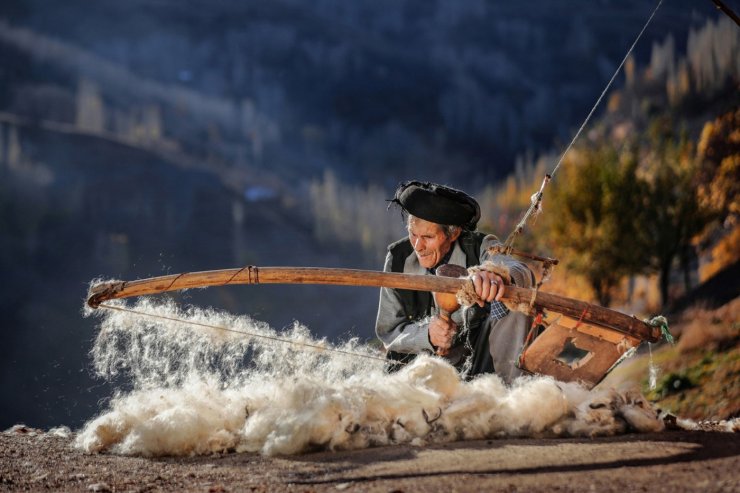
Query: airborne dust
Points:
[198, 381]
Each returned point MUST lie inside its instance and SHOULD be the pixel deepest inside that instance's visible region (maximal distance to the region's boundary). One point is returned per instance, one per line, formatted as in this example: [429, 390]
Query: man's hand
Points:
[441, 333]
[488, 286]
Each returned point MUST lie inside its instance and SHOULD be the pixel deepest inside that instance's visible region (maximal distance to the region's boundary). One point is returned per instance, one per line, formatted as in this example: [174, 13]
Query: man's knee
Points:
[506, 341]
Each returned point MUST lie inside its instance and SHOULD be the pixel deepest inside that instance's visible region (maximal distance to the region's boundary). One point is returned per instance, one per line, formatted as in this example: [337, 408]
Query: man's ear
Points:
[456, 234]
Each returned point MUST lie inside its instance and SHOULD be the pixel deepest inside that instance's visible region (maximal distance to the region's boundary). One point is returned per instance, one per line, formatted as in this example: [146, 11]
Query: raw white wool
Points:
[60, 431]
[228, 385]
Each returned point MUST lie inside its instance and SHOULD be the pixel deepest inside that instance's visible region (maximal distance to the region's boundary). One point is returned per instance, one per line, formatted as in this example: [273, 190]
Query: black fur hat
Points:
[438, 204]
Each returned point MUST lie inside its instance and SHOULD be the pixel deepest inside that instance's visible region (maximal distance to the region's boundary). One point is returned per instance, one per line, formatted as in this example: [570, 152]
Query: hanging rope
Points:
[243, 333]
[536, 202]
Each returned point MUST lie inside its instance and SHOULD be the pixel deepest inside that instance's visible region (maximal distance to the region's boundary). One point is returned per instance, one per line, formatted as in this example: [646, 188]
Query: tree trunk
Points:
[686, 257]
[602, 290]
[664, 282]
[630, 289]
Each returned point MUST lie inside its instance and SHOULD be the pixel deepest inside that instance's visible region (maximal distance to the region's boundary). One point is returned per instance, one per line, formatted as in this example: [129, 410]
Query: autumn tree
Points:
[718, 154]
[718, 161]
[596, 213]
[674, 213]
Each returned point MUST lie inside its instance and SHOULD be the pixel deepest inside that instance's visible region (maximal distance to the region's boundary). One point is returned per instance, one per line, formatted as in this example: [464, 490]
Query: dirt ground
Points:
[672, 461]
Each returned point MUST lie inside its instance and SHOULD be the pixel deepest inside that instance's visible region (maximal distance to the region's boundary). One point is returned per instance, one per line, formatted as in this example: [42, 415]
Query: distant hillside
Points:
[379, 91]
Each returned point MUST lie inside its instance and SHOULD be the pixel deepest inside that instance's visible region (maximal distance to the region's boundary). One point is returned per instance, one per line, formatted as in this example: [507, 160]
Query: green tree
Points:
[597, 207]
[675, 214]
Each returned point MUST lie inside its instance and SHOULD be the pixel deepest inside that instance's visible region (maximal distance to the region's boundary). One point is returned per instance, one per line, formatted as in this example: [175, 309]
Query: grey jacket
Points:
[399, 334]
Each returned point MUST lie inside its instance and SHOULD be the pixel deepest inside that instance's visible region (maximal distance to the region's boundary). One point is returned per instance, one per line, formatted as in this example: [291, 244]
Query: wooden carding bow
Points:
[581, 310]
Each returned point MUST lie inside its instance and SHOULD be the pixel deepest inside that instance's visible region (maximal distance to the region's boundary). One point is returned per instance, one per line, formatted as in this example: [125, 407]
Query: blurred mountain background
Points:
[144, 138]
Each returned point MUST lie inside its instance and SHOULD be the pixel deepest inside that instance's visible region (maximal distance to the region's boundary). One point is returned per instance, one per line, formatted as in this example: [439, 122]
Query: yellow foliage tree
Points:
[596, 213]
[718, 154]
[675, 216]
[719, 173]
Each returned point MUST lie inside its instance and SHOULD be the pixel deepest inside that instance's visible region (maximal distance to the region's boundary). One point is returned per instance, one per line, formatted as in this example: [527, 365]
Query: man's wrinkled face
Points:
[429, 240]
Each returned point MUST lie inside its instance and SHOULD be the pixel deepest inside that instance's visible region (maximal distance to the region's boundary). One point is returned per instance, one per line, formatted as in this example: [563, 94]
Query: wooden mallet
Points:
[447, 302]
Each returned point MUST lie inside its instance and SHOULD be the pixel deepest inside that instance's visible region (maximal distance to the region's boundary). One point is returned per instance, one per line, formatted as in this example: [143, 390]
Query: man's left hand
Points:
[488, 286]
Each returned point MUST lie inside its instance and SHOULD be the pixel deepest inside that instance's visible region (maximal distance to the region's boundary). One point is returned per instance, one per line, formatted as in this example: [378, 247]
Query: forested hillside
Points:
[373, 90]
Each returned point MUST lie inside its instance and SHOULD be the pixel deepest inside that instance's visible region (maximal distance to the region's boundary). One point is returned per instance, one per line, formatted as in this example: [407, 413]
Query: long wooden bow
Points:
[581, 310]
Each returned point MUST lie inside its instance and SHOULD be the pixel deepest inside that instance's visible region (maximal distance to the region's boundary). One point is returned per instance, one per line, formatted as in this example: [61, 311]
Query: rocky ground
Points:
[675, 461]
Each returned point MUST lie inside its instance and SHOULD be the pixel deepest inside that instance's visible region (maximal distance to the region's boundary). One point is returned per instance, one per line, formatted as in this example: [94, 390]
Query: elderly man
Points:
[484, 338]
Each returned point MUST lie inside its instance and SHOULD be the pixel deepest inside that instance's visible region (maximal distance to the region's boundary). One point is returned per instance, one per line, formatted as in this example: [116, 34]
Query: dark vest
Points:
[419, 304]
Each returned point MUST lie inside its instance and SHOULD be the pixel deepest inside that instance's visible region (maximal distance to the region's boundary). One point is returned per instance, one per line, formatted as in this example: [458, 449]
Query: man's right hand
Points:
[441, 333]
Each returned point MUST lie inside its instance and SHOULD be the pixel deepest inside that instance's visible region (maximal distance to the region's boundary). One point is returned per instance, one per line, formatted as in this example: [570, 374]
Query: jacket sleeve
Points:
[393, 327]
[520, 274]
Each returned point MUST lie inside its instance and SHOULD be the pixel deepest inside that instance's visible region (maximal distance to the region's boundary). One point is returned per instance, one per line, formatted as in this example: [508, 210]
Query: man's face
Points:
[429, 241]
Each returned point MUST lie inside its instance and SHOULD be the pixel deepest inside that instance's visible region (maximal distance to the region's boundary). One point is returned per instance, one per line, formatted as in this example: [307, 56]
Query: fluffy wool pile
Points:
[188, 389]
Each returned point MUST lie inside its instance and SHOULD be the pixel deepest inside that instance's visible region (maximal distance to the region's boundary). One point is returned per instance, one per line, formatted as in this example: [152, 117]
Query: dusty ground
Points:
[672, 461]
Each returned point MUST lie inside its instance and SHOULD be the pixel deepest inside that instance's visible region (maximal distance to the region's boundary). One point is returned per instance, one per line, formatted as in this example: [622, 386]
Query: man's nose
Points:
[417, 244]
